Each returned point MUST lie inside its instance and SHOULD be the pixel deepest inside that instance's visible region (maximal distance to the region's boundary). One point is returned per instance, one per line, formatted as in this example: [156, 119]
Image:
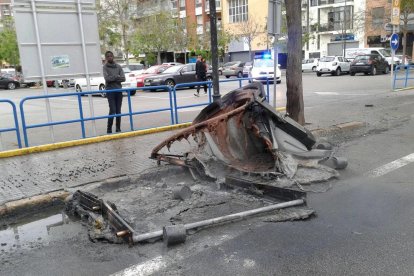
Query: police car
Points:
[263, 68]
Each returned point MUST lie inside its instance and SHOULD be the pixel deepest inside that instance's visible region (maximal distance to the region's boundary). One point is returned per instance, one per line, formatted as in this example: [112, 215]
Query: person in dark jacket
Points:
[114, 76]
[201, 74]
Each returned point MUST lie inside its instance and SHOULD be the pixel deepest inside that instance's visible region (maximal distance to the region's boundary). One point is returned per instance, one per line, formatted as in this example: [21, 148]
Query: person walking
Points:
[114, 76]
[201, 74]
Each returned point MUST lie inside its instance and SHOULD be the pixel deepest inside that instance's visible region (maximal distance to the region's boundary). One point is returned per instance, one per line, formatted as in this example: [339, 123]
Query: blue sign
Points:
[394, 42]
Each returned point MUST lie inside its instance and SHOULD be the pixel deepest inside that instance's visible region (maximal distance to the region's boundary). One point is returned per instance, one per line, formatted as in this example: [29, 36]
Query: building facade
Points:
[332, 26]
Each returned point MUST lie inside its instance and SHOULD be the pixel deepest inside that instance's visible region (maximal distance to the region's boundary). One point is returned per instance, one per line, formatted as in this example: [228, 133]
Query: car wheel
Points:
[220, 72]
[313, 68]
[11, 86]
[386, 70]
[240, 75]
[101, 88]
[227, 77]
[209, 78]
[373, 71]
[352, 73]
[366, 74]
[78, 88]
[133, 92]
[338, 71]
[318, 74]
[279, 81]
[170, 83]
[153, 90]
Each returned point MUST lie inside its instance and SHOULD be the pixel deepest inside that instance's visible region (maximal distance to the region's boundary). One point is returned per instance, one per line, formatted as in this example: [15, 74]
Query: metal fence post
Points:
[131, 120]
[26, 140]
[171, 105]
[81, 116]
[175, 103]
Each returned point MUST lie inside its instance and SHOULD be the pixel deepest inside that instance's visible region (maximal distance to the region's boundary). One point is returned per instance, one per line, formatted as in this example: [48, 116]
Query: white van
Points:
[351, 53]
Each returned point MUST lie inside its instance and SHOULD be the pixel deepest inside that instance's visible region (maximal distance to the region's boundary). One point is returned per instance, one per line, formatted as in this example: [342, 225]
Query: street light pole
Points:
[344, 33]
[214, 50]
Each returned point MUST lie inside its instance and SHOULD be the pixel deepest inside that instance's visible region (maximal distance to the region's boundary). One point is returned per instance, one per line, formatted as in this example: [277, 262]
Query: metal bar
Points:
[175, 104]
[24, 129]
[81, 116]
[268, 89]
[42, 68]
[407, 72]
[85, 63]
[171, 105]
[131, 120]
[209, 222]
[16, 122]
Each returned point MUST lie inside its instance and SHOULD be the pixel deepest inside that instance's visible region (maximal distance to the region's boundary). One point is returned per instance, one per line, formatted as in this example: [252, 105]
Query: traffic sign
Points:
[395, 12]
[394, 42]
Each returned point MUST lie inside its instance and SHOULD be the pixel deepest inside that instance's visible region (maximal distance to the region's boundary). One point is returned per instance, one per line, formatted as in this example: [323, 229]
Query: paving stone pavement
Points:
[38, 173]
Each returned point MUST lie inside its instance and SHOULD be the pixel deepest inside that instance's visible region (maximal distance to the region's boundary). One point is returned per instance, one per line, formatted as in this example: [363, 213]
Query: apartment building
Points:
[236, 14]
[378, 28]
[333, 25]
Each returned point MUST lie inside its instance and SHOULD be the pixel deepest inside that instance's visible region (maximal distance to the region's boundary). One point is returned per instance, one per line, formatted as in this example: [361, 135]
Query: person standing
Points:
[114, 76]
[201, 74]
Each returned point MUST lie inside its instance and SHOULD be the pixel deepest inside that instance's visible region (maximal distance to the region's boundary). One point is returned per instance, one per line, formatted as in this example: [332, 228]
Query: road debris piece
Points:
[243, 132]
[182, 193]
[174, 234]
[103, 216]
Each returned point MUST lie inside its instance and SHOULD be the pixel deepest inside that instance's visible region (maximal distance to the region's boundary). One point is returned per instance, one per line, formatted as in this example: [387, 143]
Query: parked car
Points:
[406, 61]
[333, 65]
[246, 68]
[7, 82]
[263, 69]
[134, 68]
[310, 64]
[233, 69]
[174, 75]
[351, 53]
[152, 71]
[172, 63]
[369, 64]
[98, 83]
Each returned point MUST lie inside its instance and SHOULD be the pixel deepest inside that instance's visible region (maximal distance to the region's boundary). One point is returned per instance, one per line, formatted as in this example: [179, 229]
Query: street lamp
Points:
[344, 32]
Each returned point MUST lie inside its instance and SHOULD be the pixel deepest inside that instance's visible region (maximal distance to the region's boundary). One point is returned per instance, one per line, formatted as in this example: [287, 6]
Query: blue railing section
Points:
[178, 107]
[82, 119]
[403, 73]
[173, 108]
[16, 122]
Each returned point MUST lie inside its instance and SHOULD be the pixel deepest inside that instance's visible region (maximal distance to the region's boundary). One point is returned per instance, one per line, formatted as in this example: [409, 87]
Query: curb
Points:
[403, 89]
[31, 203]
[86, 141]
[320, 132]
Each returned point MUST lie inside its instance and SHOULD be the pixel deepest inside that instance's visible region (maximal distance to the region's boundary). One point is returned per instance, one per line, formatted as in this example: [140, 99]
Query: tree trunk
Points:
[294, 93]
[125, 41]
[158, 57]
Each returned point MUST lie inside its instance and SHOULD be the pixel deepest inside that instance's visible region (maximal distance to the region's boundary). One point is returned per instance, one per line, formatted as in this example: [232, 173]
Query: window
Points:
[198, 3]
[337, 17]
[182, 5]
[174, 4]
[238, 11]
[378, 16]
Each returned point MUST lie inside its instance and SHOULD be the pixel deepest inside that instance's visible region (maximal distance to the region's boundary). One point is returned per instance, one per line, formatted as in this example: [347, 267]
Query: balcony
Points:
[332, 27]
[207, 6]
[330, 2]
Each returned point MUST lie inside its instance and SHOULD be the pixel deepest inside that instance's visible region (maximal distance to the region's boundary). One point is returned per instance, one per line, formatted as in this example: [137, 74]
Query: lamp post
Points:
[214, 50]
[344, 31]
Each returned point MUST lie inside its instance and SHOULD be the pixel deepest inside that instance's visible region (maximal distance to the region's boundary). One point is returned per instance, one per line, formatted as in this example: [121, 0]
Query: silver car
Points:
[234, 68]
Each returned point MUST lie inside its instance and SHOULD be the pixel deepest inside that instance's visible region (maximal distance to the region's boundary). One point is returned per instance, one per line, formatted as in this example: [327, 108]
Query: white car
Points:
[263, 69]
[310, 64]
[333, 65]
[134, 68]
[98, 83]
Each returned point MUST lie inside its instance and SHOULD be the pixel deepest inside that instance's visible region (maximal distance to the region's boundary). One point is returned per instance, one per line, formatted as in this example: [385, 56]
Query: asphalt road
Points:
[363, 224]
[318, 91]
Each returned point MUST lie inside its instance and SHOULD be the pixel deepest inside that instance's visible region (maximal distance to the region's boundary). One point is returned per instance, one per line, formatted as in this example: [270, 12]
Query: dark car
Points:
[174, 75]
[7, 82]
[369, 64]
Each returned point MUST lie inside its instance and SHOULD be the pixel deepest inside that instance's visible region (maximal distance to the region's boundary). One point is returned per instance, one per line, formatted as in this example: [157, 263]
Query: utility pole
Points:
[214, 50]
[344, 32]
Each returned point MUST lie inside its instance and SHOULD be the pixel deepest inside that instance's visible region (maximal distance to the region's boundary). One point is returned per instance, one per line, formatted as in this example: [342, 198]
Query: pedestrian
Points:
[114, 76]
[201, 74]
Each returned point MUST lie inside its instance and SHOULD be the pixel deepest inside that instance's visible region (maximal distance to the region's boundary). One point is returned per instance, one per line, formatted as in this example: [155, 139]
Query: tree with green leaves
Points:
[9, 50]
[154, 34]
[115, 20]
[248, 31]
[406, 11]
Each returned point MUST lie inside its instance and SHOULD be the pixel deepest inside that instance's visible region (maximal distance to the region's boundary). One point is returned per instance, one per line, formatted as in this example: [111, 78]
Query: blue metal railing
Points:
[16, 122]
[82, 119]
[209, 84]
[406, 75]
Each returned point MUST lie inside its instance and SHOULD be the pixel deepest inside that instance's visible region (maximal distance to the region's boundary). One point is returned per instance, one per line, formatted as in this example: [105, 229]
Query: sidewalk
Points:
[40, 173]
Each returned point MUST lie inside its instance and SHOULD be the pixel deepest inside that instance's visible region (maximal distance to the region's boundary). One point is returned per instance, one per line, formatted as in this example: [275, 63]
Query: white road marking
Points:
[146, 268]
[339, 94]
[156, 264]
[392, 166]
